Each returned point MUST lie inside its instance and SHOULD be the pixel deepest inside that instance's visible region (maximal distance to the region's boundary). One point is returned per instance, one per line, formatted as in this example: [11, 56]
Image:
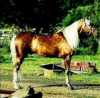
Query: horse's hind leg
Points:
[16, 72]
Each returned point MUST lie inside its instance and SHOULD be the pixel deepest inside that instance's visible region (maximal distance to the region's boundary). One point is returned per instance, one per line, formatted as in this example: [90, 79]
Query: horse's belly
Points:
[47, 51]
[49, 48]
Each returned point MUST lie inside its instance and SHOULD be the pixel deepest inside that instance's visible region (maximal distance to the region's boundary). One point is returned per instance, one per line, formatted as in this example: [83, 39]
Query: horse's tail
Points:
[13, 49]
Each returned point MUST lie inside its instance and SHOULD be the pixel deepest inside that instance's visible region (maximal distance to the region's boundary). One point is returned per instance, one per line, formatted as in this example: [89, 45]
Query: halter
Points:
[85, 22]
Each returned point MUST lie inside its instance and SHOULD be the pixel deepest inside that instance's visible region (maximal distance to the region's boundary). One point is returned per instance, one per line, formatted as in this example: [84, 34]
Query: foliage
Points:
[81, 12]
[88, 46]
[47, 16]
[3, 53]
[43, 13]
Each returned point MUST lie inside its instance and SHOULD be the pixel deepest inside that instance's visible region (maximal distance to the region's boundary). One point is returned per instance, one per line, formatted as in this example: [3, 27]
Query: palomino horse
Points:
[60, 44]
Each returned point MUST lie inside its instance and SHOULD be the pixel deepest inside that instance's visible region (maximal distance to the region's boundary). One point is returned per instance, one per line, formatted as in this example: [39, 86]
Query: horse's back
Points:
[25, 36]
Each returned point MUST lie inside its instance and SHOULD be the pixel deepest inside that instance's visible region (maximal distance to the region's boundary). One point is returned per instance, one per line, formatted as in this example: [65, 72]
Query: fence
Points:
[5, 38]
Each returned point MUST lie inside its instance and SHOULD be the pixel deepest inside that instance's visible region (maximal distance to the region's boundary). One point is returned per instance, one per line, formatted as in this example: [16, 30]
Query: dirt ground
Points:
[52, 91]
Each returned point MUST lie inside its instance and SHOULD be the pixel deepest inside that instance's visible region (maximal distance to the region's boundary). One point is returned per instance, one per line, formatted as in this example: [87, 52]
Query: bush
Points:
[90, 11]
[4, 54]
[89, 45]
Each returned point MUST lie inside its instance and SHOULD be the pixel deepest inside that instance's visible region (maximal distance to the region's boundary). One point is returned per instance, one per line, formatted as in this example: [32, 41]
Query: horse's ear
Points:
[87, 21]
[85, 18]
[82, 19]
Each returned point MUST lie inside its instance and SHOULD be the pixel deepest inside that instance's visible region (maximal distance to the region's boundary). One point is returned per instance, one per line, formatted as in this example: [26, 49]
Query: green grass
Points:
[32, 73]
[31, 67]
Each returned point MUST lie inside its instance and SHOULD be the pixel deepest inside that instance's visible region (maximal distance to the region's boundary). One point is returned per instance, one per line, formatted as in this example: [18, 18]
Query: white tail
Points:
[13, 49]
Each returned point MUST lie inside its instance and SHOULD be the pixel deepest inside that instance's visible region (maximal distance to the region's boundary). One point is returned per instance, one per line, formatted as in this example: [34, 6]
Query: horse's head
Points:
[85, 26]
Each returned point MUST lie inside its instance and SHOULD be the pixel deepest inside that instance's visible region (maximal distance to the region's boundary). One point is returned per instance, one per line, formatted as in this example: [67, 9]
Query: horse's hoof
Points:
[70, 87]
[18, 87]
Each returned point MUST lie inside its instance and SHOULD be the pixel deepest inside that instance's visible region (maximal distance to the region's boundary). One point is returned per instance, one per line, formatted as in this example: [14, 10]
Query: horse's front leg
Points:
[68, 71]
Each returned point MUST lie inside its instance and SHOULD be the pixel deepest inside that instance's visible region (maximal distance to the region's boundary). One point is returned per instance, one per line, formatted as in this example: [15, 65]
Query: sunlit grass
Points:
[32, 74]
[31, 67]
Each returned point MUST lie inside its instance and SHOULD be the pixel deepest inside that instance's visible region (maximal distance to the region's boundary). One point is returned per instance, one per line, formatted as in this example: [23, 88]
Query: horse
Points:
[61, 44]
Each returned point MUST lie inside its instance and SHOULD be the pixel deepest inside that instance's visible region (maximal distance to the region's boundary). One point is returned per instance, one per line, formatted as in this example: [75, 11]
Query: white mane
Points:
[71, 35]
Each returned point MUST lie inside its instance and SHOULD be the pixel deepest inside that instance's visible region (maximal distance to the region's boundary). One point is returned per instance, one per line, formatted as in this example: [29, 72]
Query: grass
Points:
[32, 74]
[31, 68]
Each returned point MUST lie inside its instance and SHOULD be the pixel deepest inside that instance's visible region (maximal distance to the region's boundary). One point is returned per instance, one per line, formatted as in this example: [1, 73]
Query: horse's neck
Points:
[75, 26]
[71, 35]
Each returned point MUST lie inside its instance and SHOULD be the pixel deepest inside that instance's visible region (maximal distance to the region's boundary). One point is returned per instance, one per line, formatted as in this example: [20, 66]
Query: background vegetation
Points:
[47, 16]
[47, 13]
